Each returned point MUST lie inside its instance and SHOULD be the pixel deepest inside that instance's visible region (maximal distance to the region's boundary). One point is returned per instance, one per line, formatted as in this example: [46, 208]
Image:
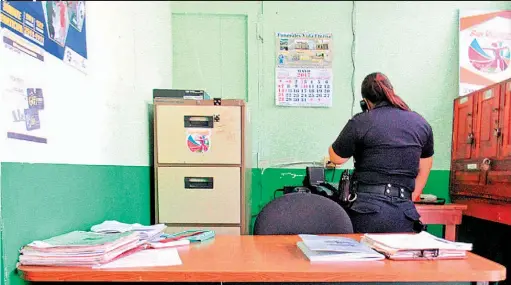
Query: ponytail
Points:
[388, 91]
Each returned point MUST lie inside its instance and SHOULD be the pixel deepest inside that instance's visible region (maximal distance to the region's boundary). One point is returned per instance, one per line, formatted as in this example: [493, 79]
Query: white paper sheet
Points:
[146, 232]
[147, 258]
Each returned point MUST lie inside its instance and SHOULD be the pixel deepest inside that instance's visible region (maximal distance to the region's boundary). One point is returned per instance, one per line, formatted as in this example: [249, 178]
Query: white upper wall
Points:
[103, 117]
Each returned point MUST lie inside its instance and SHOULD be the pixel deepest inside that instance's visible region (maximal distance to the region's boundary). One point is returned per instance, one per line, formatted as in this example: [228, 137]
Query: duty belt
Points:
[384, 189]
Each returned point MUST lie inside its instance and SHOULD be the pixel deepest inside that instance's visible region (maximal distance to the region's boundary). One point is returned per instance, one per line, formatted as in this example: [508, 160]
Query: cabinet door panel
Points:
[488, 122]
[463, 130]
[506, 120]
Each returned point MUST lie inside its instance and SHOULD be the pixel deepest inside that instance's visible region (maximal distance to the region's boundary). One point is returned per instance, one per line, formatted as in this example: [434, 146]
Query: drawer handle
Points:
[198, 182]
[198, 121]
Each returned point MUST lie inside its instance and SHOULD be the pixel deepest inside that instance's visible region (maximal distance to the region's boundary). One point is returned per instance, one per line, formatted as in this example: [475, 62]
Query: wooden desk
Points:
[448, 215]
[276, 259]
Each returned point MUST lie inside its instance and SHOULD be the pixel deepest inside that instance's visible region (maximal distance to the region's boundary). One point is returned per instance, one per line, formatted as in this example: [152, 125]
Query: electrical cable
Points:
[314, 163]
[275, 193]
[261, 186]
[353, 57]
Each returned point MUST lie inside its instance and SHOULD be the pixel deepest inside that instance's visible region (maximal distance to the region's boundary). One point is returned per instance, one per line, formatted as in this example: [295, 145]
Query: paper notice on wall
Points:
[303, 73]
[22, 91]
[485, 49]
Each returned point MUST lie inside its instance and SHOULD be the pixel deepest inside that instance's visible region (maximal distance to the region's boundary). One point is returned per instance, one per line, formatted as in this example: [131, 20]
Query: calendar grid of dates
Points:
[304, 87]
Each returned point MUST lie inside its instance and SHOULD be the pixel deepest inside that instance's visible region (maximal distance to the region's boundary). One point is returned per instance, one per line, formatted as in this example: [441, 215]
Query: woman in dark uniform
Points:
[392, 149]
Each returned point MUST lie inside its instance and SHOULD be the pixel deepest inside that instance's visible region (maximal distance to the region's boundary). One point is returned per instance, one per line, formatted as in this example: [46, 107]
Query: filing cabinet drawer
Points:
[198, 134]
[217, 230]
[199, 195]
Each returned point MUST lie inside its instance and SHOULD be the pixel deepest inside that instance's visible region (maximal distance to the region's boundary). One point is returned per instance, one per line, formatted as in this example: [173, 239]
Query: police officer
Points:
[392, 148]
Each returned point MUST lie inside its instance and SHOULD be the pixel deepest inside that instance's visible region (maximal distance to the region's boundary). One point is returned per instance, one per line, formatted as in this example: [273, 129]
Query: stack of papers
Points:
[145, 232]
[416, 246]
[79, 248]
[328, 248]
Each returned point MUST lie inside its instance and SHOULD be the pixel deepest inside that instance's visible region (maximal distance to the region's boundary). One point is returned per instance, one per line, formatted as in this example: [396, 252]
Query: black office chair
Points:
[302, 213]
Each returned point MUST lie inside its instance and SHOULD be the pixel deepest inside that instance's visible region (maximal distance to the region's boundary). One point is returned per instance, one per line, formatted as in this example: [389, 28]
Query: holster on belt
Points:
[418, 226]
[347, 194]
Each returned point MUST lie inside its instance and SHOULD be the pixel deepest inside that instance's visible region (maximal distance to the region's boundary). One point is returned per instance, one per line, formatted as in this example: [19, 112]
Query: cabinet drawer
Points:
[199, 195]
[499, 177]
[198, 134]
[467, 177]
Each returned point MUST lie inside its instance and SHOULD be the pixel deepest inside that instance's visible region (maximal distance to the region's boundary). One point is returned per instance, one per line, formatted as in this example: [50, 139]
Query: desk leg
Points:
[450, 232]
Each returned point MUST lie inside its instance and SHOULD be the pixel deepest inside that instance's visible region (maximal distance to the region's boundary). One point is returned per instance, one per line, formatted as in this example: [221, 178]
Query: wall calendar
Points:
[303, 73]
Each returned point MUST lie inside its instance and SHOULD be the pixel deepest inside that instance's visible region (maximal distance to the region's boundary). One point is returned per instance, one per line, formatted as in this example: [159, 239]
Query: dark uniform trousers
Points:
[383, 209]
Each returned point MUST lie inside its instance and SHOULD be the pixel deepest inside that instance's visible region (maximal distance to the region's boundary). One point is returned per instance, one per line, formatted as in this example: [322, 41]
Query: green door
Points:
[210, 54]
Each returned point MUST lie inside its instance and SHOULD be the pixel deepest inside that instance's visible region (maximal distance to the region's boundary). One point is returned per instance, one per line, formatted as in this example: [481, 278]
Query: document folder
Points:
[415, 246]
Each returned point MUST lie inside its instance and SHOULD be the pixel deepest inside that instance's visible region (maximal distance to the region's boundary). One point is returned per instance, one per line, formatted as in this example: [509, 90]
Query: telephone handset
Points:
[363, 106]
[430, 199]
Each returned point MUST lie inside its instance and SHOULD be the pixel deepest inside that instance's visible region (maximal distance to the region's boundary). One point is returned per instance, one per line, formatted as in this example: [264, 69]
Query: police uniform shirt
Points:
[386, 144]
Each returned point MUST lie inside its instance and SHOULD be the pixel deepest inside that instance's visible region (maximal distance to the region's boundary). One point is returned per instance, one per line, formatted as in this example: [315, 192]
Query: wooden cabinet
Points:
[481, 153]
[506, 120]
[200, 165]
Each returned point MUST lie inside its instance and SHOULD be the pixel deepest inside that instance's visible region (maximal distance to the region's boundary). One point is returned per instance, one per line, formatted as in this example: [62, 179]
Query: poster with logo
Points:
[58, 27]
[198, 141]
[22, 93]
[303, 73]
[484, 49]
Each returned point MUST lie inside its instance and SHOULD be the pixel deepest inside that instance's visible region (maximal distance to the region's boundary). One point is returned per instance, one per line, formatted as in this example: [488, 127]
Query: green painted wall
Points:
[43, 200]
[1, 232]
[48, 199]
[266, 181]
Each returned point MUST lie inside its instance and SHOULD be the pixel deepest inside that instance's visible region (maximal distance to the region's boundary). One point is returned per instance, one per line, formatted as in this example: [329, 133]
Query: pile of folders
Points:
[81, 248]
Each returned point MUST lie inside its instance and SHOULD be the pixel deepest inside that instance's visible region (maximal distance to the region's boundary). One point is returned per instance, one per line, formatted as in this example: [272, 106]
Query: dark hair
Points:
[377, 88]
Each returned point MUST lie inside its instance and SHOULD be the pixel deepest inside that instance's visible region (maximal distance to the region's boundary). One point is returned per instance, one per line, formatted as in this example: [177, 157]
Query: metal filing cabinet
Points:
[200, 165]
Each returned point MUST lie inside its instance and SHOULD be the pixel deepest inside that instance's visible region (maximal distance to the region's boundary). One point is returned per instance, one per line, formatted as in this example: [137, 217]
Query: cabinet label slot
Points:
[488, 94]
[472, 166]
[198, 182]
[198, 121]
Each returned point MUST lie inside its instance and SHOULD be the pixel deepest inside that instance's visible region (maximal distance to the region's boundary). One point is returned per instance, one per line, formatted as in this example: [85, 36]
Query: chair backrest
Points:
[302, 213]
